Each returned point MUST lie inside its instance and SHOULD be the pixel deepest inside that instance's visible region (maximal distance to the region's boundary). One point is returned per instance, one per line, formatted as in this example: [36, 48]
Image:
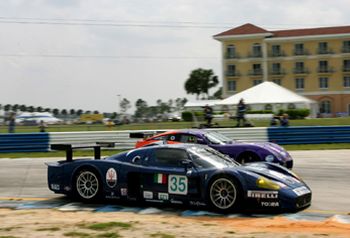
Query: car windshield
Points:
[217, 138]
[206, 157]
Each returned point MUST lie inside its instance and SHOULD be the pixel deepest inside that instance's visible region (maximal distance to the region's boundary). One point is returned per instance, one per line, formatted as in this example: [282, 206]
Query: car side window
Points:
[169, 157]
[185, 138]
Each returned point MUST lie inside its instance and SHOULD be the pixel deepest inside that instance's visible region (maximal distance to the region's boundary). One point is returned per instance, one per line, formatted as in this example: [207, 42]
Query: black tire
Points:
[248, 157]
[224, 194]
[87, 185]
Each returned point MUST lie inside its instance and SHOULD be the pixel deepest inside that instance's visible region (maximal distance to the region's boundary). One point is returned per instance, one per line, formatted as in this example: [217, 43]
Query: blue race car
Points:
[242, 152]
[186, 174]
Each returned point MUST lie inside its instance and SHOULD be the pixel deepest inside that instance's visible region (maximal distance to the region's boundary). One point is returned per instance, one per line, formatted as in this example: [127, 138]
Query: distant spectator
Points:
[208, 114]
[42, 126]
[12, 123]
[241, 109]
[284, 120]
[274, 120]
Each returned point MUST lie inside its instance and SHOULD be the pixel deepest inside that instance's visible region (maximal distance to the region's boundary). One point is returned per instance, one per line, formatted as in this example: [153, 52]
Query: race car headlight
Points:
[267, 184]
[269, 158]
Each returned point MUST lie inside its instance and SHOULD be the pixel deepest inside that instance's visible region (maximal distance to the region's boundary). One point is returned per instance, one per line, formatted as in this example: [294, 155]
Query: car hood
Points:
[280, 176]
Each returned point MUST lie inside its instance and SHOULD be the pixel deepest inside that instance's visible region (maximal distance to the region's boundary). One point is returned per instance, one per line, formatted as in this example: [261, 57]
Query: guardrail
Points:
[28, 142]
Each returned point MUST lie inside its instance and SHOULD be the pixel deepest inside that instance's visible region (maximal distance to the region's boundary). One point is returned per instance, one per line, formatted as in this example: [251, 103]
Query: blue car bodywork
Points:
[181, 174]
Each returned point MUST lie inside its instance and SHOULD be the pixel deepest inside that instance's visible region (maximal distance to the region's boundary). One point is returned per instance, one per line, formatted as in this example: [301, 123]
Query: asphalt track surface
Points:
[327, 172]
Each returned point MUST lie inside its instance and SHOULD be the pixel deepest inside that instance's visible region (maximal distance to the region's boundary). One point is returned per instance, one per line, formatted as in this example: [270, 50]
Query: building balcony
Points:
[232, 56]
[325, 70]
[232, 73]
[346, 69]
[278, 72]
[277, 54]
[254, 55]
[322, 51]
[345, 50]
[301, 71]
[301, 52]
[256, 72]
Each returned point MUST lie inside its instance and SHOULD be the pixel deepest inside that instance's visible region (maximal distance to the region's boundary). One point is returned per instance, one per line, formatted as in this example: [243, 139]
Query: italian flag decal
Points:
[160, 178]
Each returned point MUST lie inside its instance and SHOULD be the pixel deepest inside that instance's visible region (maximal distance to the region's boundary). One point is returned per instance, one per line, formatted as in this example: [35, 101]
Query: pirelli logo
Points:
[262, 194]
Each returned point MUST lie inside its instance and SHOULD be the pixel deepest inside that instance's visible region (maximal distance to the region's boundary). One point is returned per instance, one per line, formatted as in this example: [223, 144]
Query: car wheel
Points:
[87, 185]
[224, 194]
[248, 157]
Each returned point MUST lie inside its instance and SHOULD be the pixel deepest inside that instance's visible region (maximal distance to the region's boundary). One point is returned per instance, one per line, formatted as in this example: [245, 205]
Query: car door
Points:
[167, 179]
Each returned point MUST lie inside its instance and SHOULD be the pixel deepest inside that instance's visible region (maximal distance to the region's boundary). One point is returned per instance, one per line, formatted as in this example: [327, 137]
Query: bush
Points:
[187, 116]
[260, 112]
[295, 113]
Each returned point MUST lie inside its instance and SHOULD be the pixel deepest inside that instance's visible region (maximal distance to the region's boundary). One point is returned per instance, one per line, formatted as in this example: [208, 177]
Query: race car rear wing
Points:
[70, 147]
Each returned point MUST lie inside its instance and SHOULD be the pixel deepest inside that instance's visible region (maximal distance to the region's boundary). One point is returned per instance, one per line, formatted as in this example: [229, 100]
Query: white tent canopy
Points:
[271, 93]
[266, 93]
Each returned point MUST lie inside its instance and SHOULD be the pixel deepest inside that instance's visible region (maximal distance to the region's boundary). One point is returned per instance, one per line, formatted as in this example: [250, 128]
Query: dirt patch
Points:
[53, 223]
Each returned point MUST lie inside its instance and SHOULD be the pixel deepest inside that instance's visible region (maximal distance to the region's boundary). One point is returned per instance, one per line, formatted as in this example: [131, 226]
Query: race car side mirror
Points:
[201, 141]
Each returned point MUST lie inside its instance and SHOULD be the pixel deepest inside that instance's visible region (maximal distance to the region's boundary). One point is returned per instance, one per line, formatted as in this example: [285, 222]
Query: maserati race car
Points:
[242, 152]
[186, 174]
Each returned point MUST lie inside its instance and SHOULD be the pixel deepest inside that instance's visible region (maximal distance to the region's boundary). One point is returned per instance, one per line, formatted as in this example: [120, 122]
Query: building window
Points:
[257, 81]
[231, 51]
[276, 50]
[323, 82]
[323, 66]
[299, 68]
[299, 83]
[299, 49]
[325, 107]
[276, 68]
[231, 85]
[277, 81]
[346, 46]
[322, 47]
[346, 82]
[346, 65]
[231, 70]
[257, 69]
[257, 50]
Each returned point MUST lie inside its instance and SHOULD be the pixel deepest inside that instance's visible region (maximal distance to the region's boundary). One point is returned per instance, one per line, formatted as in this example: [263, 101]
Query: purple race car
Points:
[242, 152]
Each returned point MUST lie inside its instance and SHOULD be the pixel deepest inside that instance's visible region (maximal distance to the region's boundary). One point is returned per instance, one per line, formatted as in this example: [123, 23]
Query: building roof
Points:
[266, 93]
[252, 29]
[245, 29]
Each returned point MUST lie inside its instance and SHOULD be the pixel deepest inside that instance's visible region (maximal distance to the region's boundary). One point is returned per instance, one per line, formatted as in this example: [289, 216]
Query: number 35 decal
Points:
[177, 184]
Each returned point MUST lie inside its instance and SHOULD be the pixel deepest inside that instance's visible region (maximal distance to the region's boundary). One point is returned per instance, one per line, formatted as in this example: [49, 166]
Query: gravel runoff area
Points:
[54, 223]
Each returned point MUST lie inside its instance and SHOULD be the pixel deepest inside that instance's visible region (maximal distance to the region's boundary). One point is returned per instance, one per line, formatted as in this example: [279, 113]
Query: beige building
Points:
[312, 62]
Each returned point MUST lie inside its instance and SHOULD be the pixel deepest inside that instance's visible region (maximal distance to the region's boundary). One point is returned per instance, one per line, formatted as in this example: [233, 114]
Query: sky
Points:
[89, 54]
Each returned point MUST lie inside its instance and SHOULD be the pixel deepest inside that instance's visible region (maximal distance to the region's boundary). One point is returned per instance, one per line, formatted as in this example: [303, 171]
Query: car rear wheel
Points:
[87, 185]
[224, 194]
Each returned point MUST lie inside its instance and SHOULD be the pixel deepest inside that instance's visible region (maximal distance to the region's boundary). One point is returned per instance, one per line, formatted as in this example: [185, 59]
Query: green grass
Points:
[109, 235]
[107, 226]
[48, 229]
[162, 235]
[333, 146]
[76, 234]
